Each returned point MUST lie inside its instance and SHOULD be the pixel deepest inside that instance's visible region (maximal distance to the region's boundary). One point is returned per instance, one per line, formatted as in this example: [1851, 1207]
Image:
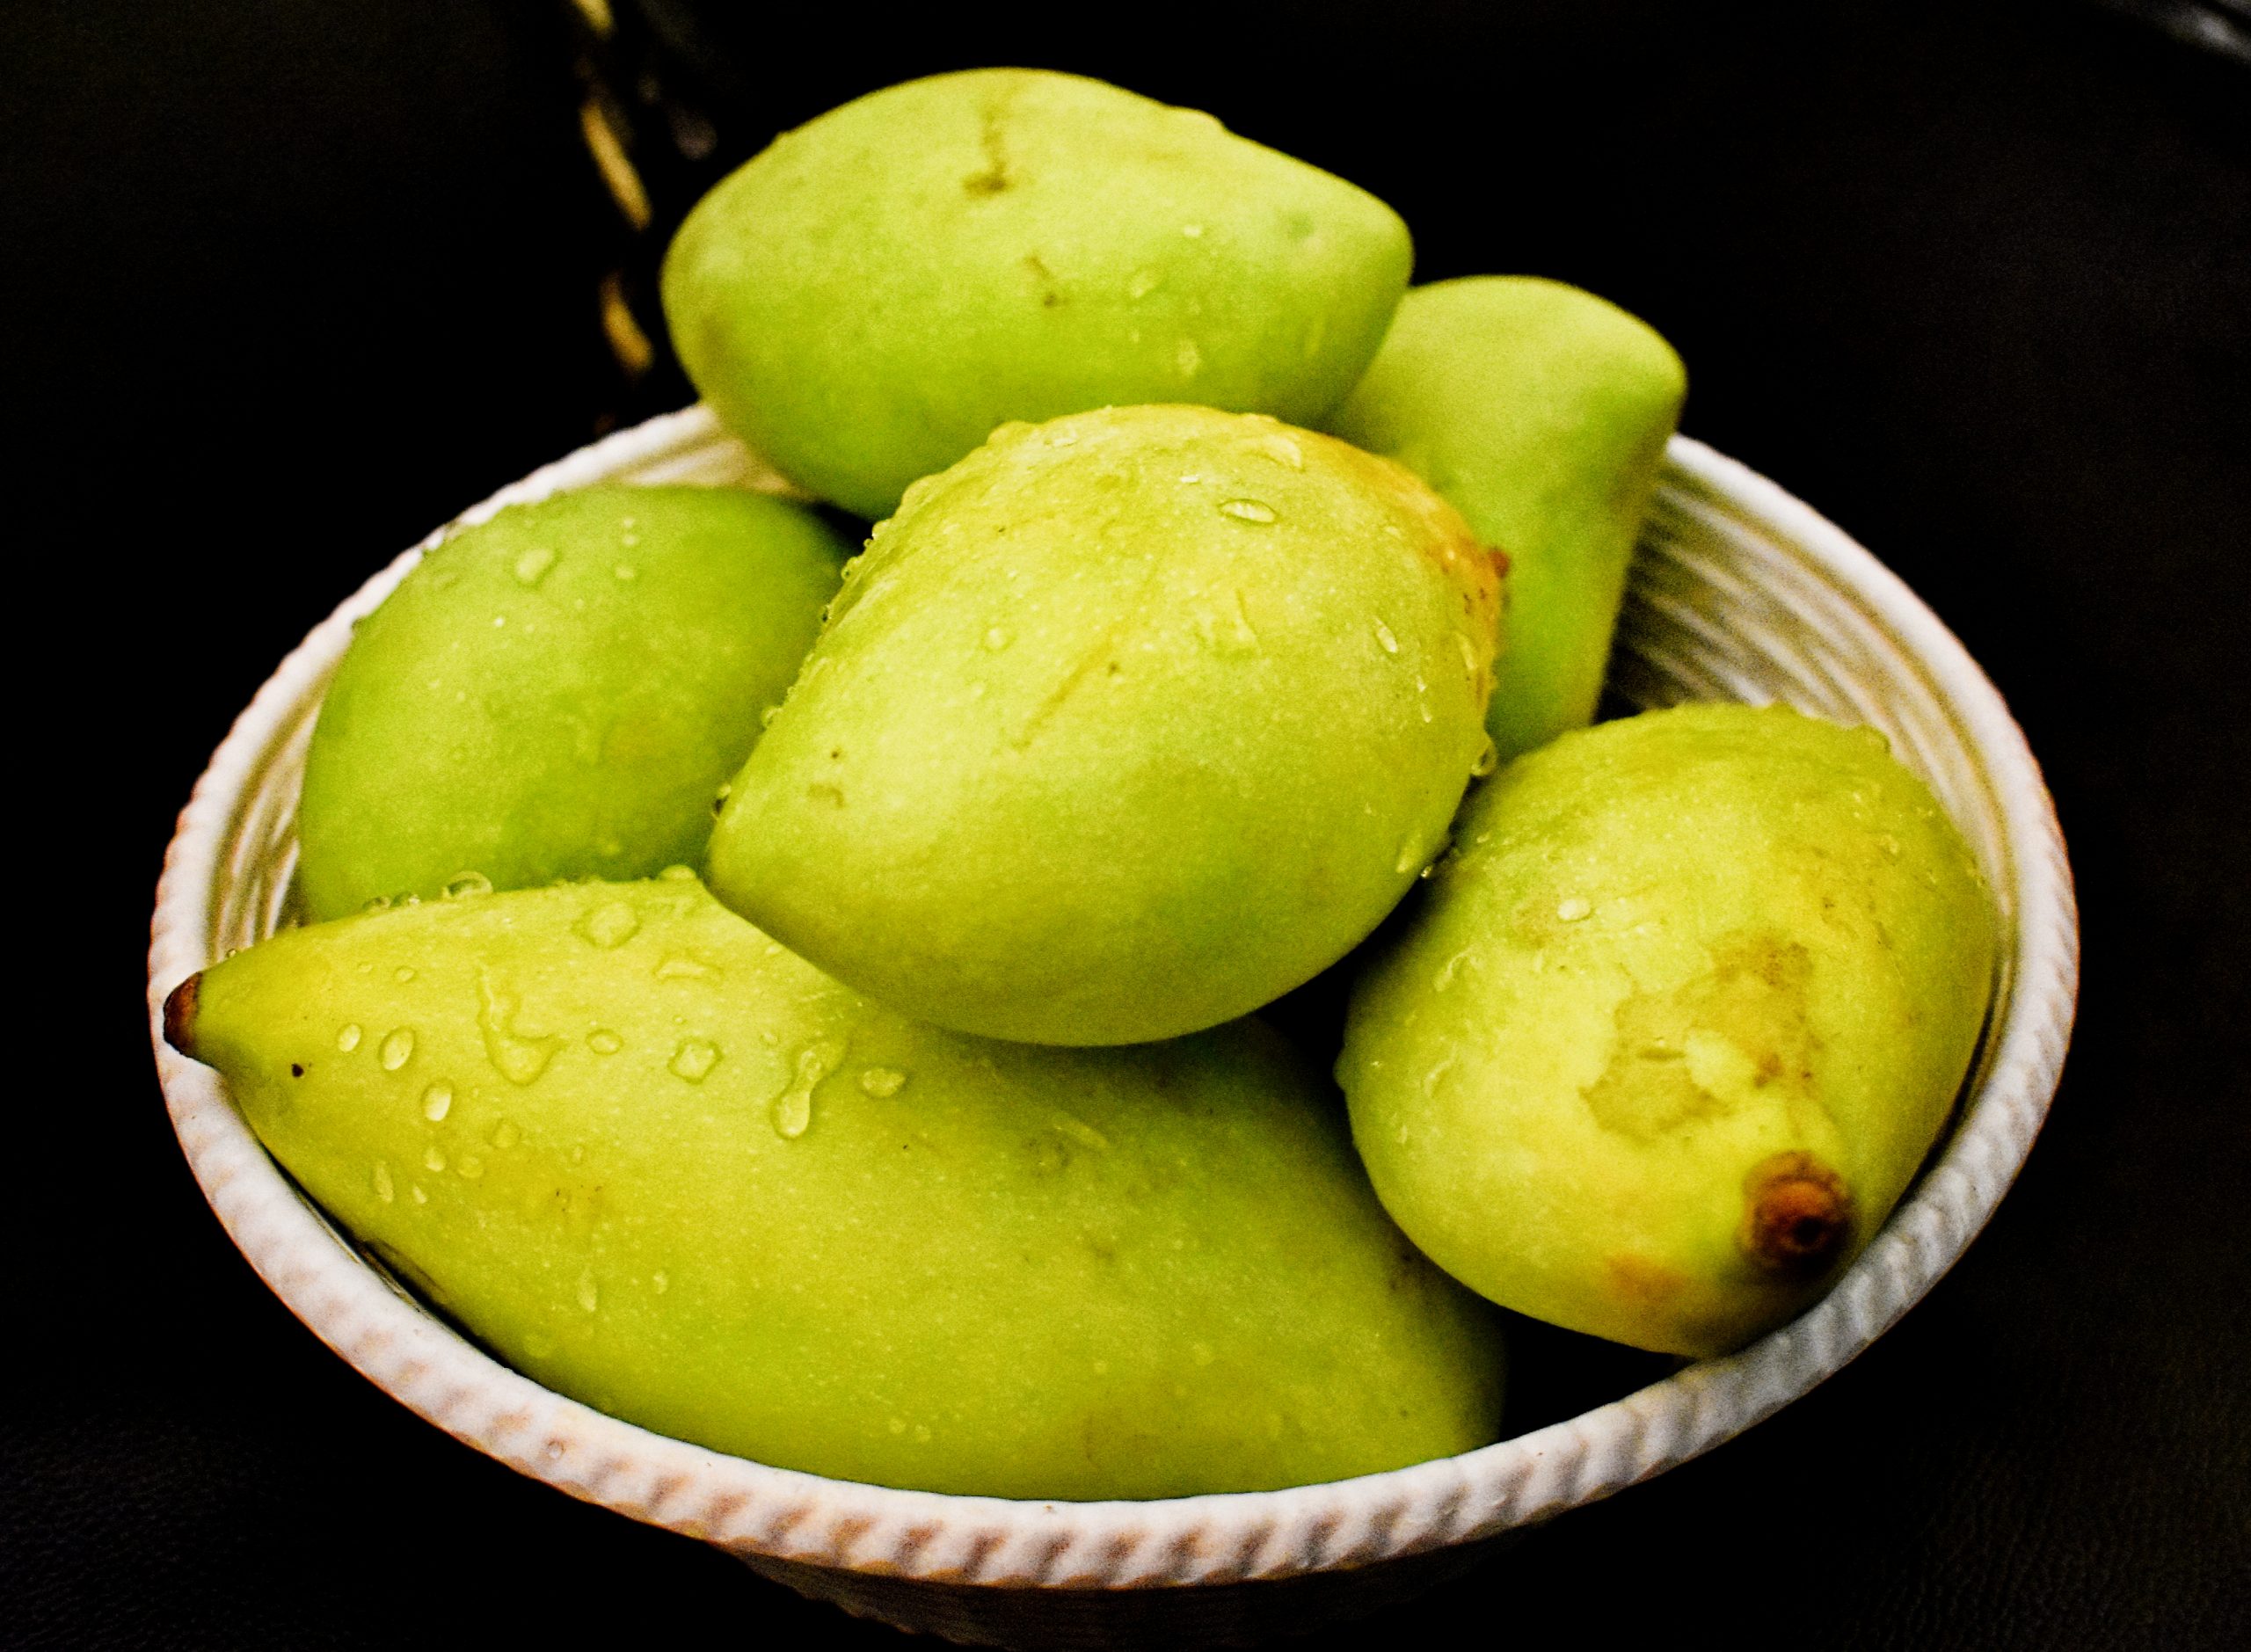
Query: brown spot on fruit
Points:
[1051, 293]
[1797, 1216]
[996, 175]
[1638, 1279]
[1754, 997]
[179, 1016]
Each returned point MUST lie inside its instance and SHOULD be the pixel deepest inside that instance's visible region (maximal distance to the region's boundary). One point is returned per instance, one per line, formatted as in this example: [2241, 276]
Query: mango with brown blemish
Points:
[1124, 726]
[661, 1165]
[1686, 1007]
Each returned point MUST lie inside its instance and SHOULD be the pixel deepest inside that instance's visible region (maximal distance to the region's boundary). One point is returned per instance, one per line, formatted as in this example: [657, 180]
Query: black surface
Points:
[285, 285]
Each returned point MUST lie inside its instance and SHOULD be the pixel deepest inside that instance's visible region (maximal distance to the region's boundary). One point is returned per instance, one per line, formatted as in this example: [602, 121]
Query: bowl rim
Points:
[754, 1509]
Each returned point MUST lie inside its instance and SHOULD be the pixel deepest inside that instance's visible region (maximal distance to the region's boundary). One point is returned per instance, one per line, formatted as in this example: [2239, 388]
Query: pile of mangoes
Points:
[807, 1006]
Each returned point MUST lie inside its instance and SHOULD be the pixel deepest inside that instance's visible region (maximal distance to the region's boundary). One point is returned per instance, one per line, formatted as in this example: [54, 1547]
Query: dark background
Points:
[287, 284]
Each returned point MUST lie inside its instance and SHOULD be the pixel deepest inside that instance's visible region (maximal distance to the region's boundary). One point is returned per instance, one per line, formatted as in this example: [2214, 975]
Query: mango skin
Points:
[1541, 412]
[559, 693]
[973, 1267]
[1124, 726]
[1684, 1012]
[868, 298]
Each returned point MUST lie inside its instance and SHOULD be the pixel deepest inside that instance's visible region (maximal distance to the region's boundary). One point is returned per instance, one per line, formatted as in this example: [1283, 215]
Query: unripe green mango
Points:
[1684, 1012]
[661, 1165]
[1125, 726]
[559, 693]
[1541, 413]
[869, 297]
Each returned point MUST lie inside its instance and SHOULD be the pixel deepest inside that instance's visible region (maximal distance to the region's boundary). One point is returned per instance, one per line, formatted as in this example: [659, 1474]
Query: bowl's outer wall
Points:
[1739, 592]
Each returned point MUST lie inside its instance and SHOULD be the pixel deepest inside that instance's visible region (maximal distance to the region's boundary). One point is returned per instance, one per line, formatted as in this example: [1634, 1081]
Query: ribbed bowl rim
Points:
[756, 1510]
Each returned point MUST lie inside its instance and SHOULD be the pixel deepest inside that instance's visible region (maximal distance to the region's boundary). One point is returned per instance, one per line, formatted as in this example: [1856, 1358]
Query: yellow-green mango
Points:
[1125, 726]
[1684, 1010]
[869, 297]
[1541, 412]
[559, 693]
[661, 1165]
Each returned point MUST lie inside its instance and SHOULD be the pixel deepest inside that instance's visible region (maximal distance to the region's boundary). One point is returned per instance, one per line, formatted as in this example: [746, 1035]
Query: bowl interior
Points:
[1737, 592]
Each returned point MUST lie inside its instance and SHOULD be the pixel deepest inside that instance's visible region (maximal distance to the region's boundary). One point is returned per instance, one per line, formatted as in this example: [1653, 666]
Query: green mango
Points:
[658, 1163]
[868, 298]
[1541, 413]
[1685, 1011]
[559, 693]
[1125, 726]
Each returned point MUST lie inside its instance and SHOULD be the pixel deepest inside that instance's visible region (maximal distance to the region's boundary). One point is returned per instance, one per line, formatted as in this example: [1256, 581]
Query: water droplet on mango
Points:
[694, 1060]
[793, 1108]
[517, 1056]
[611, 924]
[1284, 451]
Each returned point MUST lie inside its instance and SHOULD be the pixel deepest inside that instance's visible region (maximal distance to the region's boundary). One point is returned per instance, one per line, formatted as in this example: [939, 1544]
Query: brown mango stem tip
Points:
[1797, 1216]
[179, 1016]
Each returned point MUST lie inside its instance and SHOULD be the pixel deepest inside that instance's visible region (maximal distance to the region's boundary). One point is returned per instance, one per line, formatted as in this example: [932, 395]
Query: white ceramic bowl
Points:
[1739, 592]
